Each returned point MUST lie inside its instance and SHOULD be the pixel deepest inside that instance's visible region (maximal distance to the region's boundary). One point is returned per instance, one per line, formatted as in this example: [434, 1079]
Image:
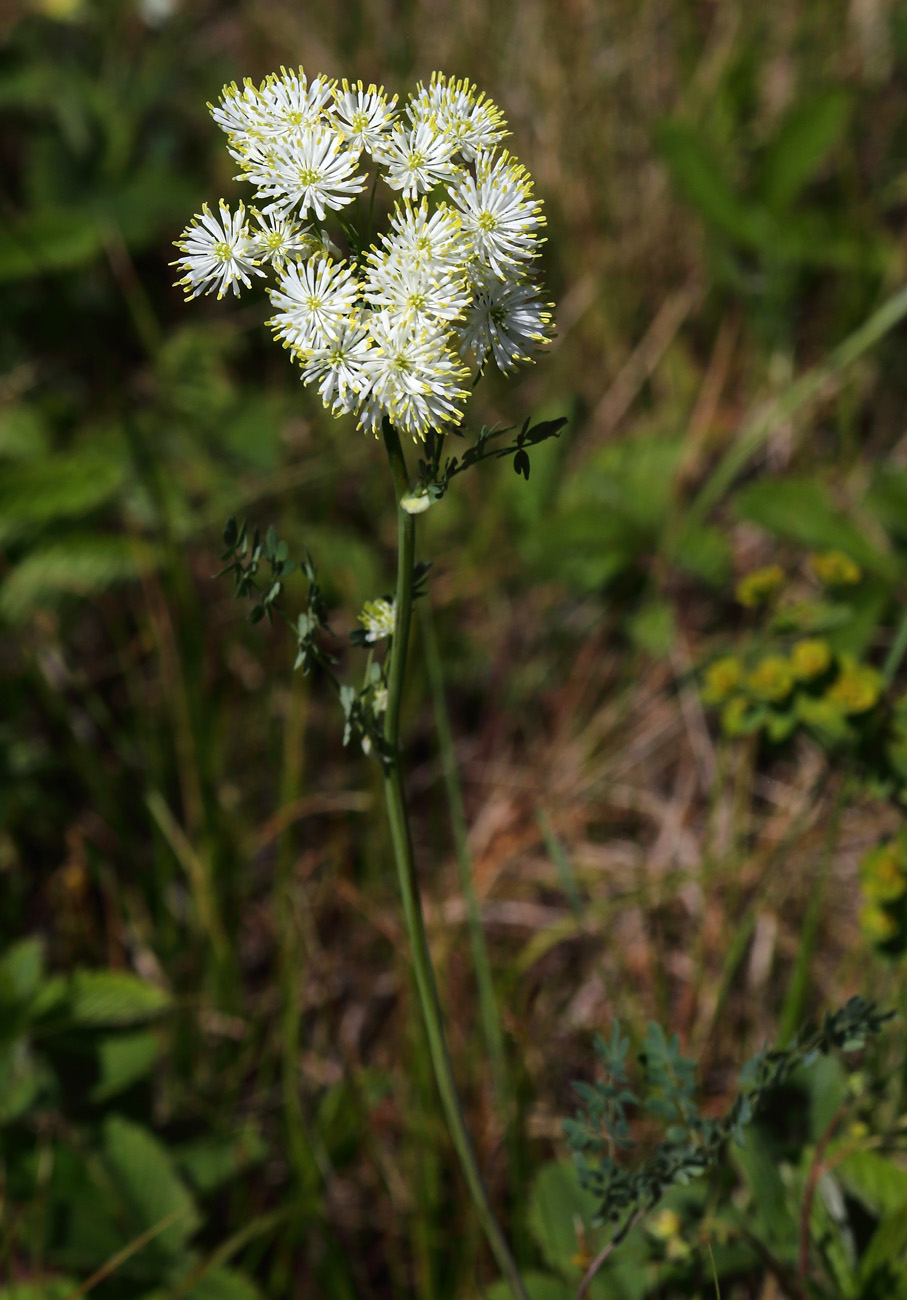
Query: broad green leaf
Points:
[876, 1179]
[802, 510]
[560, 1216]
[21, 967]
[24, 1077]
[652, 628]
[215, 1284]
[769, 1207]
[609, 513]
[883, 1266]
[703, 182]
[36, 492]
[123, 1059]
[23, 432]
[146, 1177]
[212, 1161]
[80, 565]
[57, 238]
[108, 997]
[705, 553]
[539, 1286]
[87, 1210]
[806, 137]
[49, 1288]
[51, 239]
[887, 500]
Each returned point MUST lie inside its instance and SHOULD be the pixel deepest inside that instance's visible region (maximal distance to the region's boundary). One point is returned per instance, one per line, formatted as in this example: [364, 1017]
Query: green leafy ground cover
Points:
[210, 1085]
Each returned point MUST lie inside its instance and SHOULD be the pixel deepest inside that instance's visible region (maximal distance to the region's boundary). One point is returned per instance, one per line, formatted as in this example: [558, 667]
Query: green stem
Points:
[409, 888]
[488, 1009]
[764, 422]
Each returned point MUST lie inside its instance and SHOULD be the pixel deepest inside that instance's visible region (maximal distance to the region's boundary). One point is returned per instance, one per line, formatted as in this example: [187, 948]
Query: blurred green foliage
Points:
[209, 1087]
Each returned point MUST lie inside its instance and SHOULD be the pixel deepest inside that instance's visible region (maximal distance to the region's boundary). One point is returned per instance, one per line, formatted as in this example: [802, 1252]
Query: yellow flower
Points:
[721, 679]
[835, 569]
[664, 1225]
[882, 874]
[809, 659]
[757, 587]
[734, 716]
[857, 689]
[877, 925]
[771, 679]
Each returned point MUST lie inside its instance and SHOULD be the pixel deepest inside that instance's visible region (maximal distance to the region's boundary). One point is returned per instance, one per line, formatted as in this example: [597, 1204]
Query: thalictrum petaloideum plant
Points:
[396, 332]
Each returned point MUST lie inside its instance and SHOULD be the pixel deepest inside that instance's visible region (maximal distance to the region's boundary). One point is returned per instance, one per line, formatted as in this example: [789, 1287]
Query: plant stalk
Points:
[409, 888]
[491, 1023]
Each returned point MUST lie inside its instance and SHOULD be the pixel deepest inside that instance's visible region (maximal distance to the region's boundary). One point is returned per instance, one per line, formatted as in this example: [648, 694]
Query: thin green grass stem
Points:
[763, 423]
[488, 1006]
[897, 651]
[795, 1001]
[409, 888]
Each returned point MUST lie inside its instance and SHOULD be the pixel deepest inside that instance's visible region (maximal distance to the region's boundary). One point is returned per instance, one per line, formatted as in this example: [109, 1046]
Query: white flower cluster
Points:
[385, 330]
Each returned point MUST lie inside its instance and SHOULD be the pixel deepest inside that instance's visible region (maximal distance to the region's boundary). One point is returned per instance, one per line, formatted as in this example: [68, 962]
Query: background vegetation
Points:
[211, 1082]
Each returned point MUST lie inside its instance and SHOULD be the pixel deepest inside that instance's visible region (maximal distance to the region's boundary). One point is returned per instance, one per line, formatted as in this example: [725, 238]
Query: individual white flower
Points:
[473, 122]
[413, 378]
[280, 239]
[239, 112]
[336, 366]
[312, 172]
[499, 214]
[413, 291]
[280, 105]
[290, 104]
[363, 116]
[377, 618]
[217, 253]
[506, 318]
[416, 159]
[379, 701]
[315, 298]
[431, 239]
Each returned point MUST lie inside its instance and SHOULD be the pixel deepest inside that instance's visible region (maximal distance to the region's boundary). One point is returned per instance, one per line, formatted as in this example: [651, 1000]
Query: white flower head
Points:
[414, 291]
[416, 160]
[499, 214]
[377, 618]
[290, 104]
[363, 116]
[433, 239]
[281, 105]
[470, 120]
[280, 239]
[311, 171]
[336, 367]
[217, 252]
[505, 318]
[315, 301]
[412, 377]
[239, 112]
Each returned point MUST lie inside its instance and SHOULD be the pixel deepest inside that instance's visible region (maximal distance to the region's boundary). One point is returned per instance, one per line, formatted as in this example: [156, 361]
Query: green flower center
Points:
[222, 251]
[309, 176]
[488, 221]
